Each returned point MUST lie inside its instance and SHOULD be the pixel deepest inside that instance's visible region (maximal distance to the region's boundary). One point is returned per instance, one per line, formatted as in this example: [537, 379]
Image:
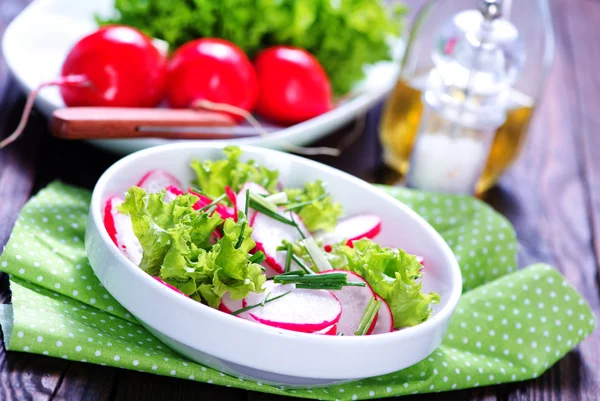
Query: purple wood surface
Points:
[551, 195]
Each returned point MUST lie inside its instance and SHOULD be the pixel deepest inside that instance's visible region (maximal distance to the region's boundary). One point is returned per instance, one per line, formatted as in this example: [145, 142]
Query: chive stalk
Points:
[300, 205]
[241, 237]
[330, 281]
[288, 258]
[258, 257]
[213, 203]
[262, 303]
[246, 206]
[368, 317]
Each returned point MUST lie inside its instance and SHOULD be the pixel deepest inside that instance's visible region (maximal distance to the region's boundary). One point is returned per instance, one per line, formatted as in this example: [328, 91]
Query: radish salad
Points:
[238, 241]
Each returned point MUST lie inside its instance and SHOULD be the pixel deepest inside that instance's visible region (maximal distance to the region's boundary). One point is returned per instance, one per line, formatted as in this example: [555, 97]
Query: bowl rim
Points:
[440, 318]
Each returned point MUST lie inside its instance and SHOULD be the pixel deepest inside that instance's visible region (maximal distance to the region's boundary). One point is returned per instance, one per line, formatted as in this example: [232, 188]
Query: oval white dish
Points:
[36, 55]
[251, 350]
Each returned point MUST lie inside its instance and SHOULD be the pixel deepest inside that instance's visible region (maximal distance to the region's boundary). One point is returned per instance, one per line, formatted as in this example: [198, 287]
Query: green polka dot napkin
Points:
[509, 325]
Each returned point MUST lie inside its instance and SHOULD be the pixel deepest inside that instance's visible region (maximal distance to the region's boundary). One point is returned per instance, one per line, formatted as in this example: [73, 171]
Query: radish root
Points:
[208, 105]
[73, 80]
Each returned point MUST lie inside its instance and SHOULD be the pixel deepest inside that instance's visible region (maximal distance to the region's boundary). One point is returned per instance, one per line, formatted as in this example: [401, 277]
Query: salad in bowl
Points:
[240, 242]
[269, 266]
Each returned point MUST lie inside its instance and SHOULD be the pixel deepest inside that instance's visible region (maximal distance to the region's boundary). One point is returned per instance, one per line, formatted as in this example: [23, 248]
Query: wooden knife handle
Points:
[121, 123]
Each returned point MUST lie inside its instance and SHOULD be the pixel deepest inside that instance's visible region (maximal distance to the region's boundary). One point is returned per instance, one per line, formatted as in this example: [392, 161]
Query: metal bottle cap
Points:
[490, 9]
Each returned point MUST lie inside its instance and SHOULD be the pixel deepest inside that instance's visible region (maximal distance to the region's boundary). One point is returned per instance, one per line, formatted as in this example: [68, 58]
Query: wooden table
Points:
[551, 195]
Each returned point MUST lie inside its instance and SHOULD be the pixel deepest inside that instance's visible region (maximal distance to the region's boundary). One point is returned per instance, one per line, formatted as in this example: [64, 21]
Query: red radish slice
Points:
[385, 319]
[328, 331]
[172, 192]
[233, 198]
[269, 271]
[169, 285]
[351, 229]
[157, 180]
[224, 211]
[354, 302]
[269, 234]
[229, 305]
[241, 198]
[120, 230]
[301, 310]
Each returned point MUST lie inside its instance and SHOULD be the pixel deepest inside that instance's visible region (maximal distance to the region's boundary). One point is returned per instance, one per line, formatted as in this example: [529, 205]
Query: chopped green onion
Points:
[302, 264]
[211, 209]
[302, 204]
[264, 301]
[254, 198]
[278, 198]
[213, 203]
[288, 258]
[270, 213]
[330, 281]
[297, 226]
[265, 298]
[241, 237]
[258, 257]
[340, 334]
[199, 191]
[368, 317]
[247, 203]
[320, 260]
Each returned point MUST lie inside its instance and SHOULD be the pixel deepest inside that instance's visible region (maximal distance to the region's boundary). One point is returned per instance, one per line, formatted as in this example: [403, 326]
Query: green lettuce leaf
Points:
[321, 214]
[176, 243]
[343, 35]
[213, 176]
[393, 274]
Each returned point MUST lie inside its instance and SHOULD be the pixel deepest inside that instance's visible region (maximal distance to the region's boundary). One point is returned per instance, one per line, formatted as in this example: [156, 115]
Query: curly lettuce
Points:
[320, 212]
[343, 35]
[177, 247]
[212, 176]
[392, 273]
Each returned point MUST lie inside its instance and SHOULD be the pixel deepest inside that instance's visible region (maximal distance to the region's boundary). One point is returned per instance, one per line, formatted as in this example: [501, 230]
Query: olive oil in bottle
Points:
[401, 119]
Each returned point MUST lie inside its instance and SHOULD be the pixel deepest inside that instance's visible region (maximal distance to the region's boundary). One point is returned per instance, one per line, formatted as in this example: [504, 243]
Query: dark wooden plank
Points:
[545, 197]
[147, 387]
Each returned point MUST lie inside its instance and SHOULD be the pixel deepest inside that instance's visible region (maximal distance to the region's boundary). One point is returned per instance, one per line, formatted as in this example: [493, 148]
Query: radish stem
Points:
[71, 80]
[208, 105]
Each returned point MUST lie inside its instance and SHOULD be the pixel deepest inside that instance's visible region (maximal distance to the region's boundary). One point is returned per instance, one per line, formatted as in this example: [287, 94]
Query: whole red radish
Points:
[293, 87]
[121, 65]
[115, 66]
[211, 69]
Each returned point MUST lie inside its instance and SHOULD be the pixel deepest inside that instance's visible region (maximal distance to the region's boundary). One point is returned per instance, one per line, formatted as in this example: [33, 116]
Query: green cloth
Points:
[509, 325]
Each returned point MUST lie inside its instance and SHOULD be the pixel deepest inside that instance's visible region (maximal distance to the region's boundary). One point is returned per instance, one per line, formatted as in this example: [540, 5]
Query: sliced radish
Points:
[233, 198]
[269, 271]
[157, 180]
[120, 230]
[224, 211]
[172, 192]
[354, 302]
[385, 319]
[241, 198]
[301, 310]
[229, 306]
[169, 286]
[269, 234]
[328, 331]
[351, 229]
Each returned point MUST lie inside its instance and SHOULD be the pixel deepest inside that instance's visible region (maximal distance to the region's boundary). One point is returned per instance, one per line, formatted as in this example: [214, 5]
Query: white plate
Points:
[251, 350]
[38, 40]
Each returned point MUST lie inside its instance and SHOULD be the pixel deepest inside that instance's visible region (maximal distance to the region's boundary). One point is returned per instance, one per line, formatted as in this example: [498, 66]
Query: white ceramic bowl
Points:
[251, 350]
